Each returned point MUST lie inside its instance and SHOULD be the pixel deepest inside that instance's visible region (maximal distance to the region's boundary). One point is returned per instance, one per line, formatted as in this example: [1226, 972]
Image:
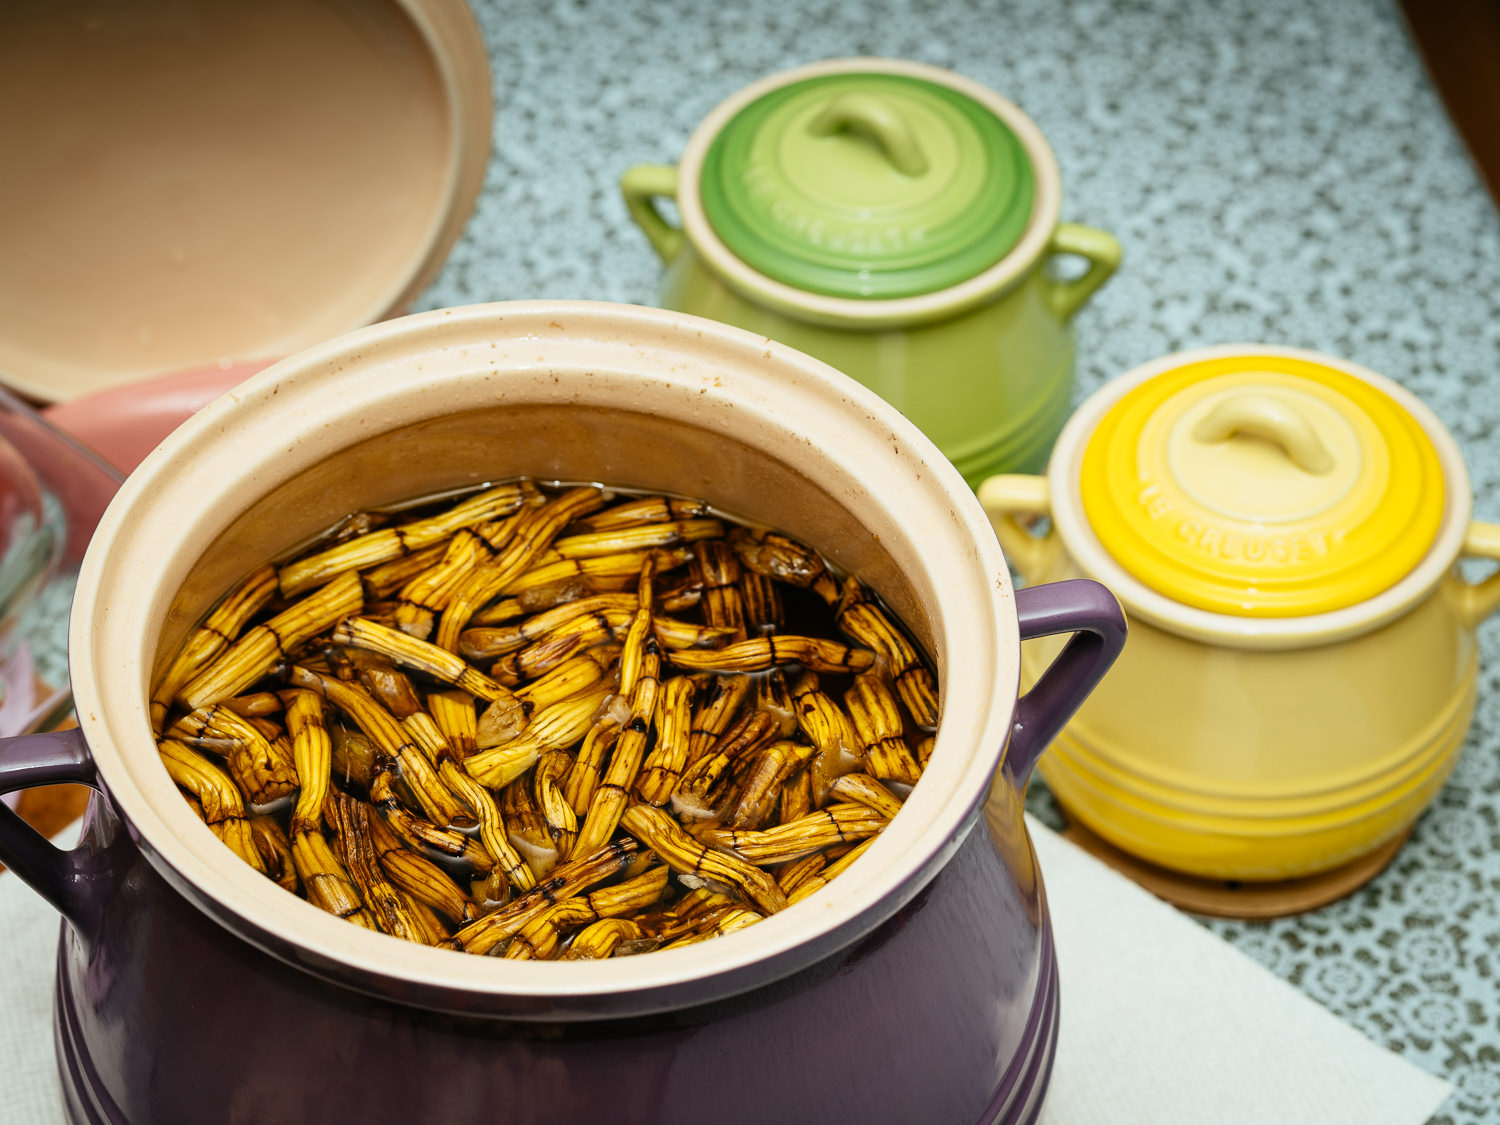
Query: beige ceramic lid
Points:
[200, 182]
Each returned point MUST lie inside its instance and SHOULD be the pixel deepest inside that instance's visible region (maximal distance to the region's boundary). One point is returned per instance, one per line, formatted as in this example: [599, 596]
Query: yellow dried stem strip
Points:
[566, 641]
[876, 722]
[556, 728]
[842, 823]
[715, 562]
[409, 652]
[492, 829]
[255, 653]
[682, 916]
[762, 603]
[924, 750]
[603, 543]
[418, 876]
[796, 797]
[718, 924]
[528, 831]
[565, 882]
[419, 834]
[435, 930]
[675, 634]
[534, 533]
[391, 739]
[867, 791]
[392, 542]
[560, 819]
[386, 579]
[645, 510]
[219, 629]
[760, 653]
[785, 560]
[764, 783]
[312, 754]
[588, 768]
[428, 592]
[453, 712]
[256, 706]
[350, 821]
[263, 770]
[221, 804]
[323, 876]
[275, 851]
[817, 882]
[640, 672]
[792, 875]
[540, 938]
[829, 729]
[569, 678]
[621, 567]
[701, 790]
[668, 758]
[659, 832]
[716, 710]
[486, 644]
[868, 625]
[600, 940]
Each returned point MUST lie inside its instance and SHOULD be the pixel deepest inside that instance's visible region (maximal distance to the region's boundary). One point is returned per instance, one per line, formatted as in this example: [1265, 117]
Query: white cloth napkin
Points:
[1165, 1024]
[1161, 1021]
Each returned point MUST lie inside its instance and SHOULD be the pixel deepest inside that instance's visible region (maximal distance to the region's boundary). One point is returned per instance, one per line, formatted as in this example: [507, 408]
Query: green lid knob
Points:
[867, 185]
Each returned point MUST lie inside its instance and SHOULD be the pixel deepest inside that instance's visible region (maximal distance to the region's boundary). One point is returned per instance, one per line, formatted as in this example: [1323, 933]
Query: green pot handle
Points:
[642, 186]
[1103, 254]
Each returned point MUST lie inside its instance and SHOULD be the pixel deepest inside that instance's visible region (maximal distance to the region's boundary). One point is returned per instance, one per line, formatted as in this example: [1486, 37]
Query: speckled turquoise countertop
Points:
[1277, 171]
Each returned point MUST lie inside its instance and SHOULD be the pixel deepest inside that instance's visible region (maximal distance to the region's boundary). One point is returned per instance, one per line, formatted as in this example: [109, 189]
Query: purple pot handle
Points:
[1090, 612]
[69, 880]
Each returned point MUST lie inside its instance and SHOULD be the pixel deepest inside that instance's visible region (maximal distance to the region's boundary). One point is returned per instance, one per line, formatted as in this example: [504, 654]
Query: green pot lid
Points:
[867, 185]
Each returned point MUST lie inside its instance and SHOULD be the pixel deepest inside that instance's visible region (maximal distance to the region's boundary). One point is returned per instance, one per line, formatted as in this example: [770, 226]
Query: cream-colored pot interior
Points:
[568, 390]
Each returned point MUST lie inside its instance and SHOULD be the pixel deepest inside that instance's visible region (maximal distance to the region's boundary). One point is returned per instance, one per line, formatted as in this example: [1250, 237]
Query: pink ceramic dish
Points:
[124, 423]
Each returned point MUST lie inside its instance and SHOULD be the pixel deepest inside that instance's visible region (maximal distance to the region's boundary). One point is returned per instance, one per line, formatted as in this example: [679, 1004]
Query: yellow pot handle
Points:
[642, 186]
[1006, 497]
[1478, 600]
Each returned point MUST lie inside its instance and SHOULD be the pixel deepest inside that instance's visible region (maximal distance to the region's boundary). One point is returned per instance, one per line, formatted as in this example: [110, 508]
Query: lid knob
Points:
[1273, 419]
[873, 117]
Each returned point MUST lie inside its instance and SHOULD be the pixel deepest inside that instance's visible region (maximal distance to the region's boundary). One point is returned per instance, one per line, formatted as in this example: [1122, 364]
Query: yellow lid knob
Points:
[1262, 486]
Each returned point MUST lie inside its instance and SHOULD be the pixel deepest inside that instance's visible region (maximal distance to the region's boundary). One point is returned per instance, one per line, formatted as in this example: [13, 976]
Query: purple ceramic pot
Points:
[920, 986]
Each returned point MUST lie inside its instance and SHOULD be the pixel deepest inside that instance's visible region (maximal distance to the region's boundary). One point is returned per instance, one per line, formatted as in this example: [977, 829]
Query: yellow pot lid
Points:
[1262, 486]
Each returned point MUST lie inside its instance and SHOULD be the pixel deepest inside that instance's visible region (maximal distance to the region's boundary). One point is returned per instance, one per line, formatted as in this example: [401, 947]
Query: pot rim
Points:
[1089, 555]
[848, 311]
[521, 351]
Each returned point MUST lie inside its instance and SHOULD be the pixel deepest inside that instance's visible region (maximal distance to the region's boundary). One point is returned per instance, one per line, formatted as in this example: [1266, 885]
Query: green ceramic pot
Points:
[895, 220]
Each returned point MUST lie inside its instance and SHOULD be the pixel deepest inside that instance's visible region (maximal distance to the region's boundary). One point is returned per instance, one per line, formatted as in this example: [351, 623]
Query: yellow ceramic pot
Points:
[1283, 530]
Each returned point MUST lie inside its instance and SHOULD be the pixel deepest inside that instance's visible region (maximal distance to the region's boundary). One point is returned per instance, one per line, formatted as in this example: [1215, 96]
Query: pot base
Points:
[1229, 898]
[1018, 1101]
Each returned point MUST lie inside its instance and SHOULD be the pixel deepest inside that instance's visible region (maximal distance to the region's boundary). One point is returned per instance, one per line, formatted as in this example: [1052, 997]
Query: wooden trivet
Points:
[1245, 901]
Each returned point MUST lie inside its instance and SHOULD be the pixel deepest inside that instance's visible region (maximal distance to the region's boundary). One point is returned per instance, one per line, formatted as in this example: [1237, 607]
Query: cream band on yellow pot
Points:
[1283, 529]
